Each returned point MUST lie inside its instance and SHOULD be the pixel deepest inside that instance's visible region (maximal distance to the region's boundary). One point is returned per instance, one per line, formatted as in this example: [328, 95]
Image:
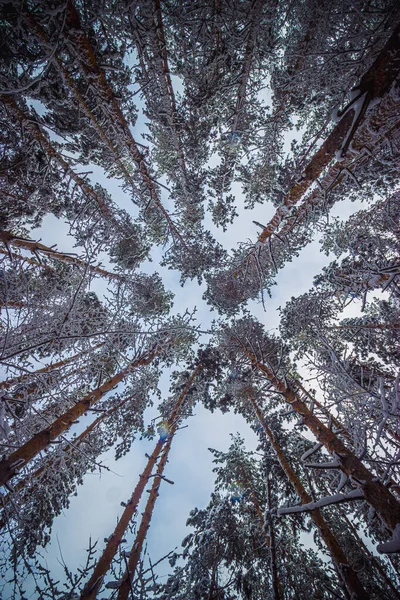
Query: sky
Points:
[93, 512]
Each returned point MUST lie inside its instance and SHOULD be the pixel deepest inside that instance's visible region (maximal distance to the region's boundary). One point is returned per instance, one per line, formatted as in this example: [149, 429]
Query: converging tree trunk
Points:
[88, 64]
[375, 83]
[136, 550]
[343, 568]
[375, 493]
[9, 383]
[36, 247]
[18, 459]
[103, 564]
[35, 131]
[32, 481]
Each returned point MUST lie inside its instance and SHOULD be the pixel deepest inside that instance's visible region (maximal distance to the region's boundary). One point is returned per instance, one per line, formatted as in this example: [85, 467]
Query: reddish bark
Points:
[18, 304]
[134, 555]
[368, 326]
[365, 145]
[341, 430]
[33, 128]
[67, 78]
[30, 261]
[52, 367]
[11, 465]
[86, 57]
[69, 449]
[375, 493]
[343, 568]
[9, 239]
[103, 564]
[375, 83]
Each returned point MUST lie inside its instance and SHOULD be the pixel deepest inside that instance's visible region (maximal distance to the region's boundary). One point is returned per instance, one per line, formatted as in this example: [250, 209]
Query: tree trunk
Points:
[34, 129]
[136, 549]
[103, 564]
[270, 539]
[18, 304]
[8, 238]
[30, 261]
[67, 78]
[376, 82]
[344, 570]
[375, 493]
[245, 74]
[69, 449]
[52, 367]
[11, 465]
[278, 595]
[372, 559]
[81, 48]
[346, 434]
[214, 572]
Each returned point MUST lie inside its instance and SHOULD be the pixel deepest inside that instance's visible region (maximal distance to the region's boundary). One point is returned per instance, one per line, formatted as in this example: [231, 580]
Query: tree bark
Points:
[136, 550]
[34, 129]
[7, 384]
[92, 587]
[11, 465]
[376, 82]
[344, 570]
[375, 493]
[78, 96]
[347, 436]
[81, 48]
[70, 448]
[8, 238]
[30, 261]
[248, 58]
[278, 595]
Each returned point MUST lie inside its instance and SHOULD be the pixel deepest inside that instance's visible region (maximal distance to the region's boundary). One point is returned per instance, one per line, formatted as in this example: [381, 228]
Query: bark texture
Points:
[345, 572]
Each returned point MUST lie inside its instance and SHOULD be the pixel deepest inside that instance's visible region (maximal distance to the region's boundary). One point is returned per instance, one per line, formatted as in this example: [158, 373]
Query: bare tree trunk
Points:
[11, 465]
[345, 572]
[375, 493]
[248, 59]
[278, 595]
[69, 449]
[92, 587]
[237, 126]
[346, 434]
[30, 261]
[162, 52]
[136, 550]
[18, 304]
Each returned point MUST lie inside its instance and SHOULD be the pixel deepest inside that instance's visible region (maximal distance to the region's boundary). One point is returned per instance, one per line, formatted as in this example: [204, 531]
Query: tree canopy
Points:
[149, 139]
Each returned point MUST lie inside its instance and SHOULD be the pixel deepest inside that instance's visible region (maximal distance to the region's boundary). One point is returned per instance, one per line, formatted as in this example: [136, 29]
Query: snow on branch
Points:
[334, 464]
[311, 451]
[356, 494]
[393, 545]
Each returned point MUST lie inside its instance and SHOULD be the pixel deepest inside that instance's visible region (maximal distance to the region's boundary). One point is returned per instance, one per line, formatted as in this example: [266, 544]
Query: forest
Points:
[199, 248]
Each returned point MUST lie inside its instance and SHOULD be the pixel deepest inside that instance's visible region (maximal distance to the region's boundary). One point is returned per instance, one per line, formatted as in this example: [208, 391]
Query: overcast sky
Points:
[94, 511]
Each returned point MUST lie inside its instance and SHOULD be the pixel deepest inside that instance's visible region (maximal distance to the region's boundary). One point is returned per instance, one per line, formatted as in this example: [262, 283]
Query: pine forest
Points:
[200, 299]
